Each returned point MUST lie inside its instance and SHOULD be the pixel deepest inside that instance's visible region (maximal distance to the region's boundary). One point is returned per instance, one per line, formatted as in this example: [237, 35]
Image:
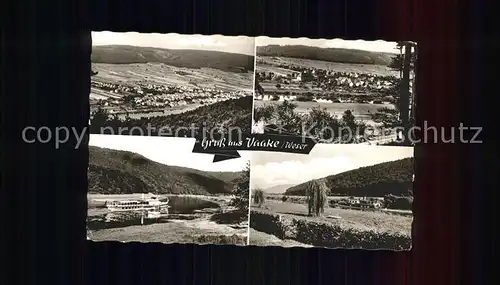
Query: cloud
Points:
[296, 172]
[200, 42]
[374, 46]
[169, 151]
[269, 170]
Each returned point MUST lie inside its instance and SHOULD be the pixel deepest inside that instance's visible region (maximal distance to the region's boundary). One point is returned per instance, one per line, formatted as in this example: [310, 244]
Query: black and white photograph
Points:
[170, 84]
[338, 196]
[154, 189]
[336, 91]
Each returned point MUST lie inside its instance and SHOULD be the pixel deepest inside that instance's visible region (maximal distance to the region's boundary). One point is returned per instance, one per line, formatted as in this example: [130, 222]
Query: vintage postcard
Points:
[170, 84]
[155, 189]
[338, 196]
[336, 91]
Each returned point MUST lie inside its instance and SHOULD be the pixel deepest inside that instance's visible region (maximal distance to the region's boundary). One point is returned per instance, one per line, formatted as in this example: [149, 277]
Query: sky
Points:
[169, 151]
[240, 44]
[270, 169]
[375, 46]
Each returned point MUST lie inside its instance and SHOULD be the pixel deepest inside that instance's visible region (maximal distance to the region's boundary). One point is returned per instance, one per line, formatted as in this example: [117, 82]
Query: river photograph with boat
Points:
[154, 189]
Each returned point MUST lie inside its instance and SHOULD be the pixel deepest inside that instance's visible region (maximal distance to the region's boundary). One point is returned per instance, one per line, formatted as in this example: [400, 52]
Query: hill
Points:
[123, 172]
[326, 54]
[278, 189]
[230, 113]
[394, 177]
[117, 54]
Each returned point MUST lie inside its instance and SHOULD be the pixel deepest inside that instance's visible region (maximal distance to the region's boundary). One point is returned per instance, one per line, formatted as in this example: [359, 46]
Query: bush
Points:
[325, 234]
[333, 236]
[221, 239]
[398, 202]
[267, 223]
[232, 217]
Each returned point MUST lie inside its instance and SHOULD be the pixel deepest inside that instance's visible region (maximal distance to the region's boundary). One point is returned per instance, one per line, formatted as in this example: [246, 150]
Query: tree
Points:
[241, 191]
[278, 86]
[264, 113]
[404, 99]
[257, 87]
[284, 198]
[287, 118]
[307, 76]
[325, 126]
[388, 117]
[258, 197]
[316, 197]
[100, 119]
[405, 62]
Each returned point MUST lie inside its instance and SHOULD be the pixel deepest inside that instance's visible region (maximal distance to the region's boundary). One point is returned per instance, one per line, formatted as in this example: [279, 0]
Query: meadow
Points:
[336, 228]
[270, 63]
[162, 74]
[360, 111]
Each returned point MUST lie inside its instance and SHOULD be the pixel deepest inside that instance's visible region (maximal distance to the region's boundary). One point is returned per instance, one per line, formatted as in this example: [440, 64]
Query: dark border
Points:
[45, 82]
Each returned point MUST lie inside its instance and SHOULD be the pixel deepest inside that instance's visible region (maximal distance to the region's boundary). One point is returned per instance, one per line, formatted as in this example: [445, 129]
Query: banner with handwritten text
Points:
[226, 147]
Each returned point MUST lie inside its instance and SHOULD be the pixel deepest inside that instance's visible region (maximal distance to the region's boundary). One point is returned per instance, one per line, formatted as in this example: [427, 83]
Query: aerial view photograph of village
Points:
[339, 196]
[154, 189]
[170, 84]
[336, 91]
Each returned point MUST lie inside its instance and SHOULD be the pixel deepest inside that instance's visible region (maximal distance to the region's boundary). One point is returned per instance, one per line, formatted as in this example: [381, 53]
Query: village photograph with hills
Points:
[151, 94]
[338, 196]
[154, 189]
[339, 91]
[170, 84]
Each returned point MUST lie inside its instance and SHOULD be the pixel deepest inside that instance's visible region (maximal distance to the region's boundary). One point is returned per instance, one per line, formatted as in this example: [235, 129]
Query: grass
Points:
[361, 220]
[171, 233]
[220, 239]
[359, 110]
[263, 239]
[354, 229]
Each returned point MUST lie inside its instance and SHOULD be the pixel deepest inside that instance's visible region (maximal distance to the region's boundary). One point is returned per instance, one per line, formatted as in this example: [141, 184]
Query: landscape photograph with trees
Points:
[170, 84]
[338, 196]
[154, 189]
[336, 91]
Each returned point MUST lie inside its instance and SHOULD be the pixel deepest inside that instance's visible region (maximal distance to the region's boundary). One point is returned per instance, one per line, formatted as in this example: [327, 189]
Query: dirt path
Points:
[263, 239]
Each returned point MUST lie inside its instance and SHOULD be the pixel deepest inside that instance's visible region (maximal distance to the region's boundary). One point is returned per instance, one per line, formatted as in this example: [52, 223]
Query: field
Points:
[269, 63]
[162, 74]
[283, 223]
[362, 220]
[144, 82]
[360, 111]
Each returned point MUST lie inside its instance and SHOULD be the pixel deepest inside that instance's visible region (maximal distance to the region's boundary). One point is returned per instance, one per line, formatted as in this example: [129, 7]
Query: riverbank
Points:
[199, 231]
